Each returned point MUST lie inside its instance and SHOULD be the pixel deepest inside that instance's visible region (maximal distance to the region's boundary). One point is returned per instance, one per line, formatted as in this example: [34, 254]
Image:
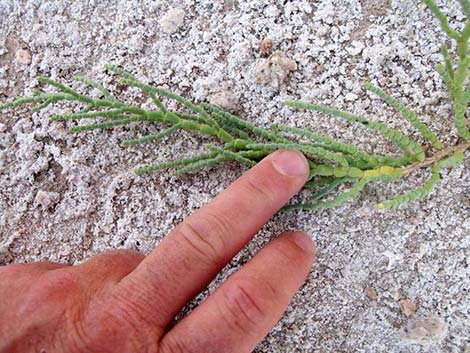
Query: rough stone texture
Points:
[419, 252]
[275, 69]
[425, 331]
[408, 308]
[172, 21]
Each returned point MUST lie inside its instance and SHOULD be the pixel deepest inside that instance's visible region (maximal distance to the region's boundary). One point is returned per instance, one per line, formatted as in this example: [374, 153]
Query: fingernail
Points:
[303, 241]
[291, 163]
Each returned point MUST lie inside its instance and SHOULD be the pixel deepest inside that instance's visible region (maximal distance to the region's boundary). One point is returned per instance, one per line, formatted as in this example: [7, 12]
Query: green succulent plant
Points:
[332, 163]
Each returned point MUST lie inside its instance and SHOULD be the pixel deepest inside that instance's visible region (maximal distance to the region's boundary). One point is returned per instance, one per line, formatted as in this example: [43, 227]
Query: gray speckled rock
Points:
[419, 252]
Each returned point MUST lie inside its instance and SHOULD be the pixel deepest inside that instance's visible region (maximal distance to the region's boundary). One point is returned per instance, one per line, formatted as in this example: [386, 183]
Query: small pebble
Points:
[351, 97]
[46, 199]
[274, 69]
[226, 99]
[23, 56]
[370, 293]
[407, 307]
[266, 48]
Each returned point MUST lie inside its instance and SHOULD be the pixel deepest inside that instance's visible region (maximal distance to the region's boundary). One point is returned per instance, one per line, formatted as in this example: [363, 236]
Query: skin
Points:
[122, 301]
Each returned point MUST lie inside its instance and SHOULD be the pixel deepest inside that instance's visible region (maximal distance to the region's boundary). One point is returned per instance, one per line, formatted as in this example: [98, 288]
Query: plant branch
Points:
[438, 156]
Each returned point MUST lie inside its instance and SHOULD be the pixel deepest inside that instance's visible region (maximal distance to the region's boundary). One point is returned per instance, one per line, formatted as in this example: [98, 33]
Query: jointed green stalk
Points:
[408, 114]
[332, 163]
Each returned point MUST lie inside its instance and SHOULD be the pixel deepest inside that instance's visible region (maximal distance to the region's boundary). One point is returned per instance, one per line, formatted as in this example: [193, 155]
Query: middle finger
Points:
[191, 255]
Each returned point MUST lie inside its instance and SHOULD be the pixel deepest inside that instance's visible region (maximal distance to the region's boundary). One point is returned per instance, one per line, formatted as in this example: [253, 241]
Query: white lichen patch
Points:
[356, 47]
[172, 21]
[225, 99]
[425, 331]
[275, 69]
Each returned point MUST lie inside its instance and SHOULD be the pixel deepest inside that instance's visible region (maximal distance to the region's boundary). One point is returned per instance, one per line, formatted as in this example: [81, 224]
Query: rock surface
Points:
[426, 330]
[172, 21]
[275, 69]
[420, 251]
[407, 307]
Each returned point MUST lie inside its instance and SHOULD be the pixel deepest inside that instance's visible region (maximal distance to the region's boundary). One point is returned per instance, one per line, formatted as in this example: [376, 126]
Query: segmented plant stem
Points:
[408, 114]
[331, 162]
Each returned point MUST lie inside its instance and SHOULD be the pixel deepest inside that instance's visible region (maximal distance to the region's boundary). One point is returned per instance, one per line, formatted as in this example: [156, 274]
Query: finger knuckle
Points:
[259, 190]
[42, 296]
[74, 338]
[243, 305]
[205, 236]
[176, 344]
[114, 326]
[133, 304]
[54, 285]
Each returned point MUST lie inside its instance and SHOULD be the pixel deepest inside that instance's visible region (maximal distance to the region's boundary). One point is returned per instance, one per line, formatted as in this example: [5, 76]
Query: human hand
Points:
[121, 301]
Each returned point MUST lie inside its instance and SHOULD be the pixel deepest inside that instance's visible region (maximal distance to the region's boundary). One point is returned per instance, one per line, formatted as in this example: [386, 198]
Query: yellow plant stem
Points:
[438, 156]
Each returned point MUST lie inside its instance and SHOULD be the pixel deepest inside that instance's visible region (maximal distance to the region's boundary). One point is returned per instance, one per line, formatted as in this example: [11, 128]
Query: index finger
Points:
[192, 254]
